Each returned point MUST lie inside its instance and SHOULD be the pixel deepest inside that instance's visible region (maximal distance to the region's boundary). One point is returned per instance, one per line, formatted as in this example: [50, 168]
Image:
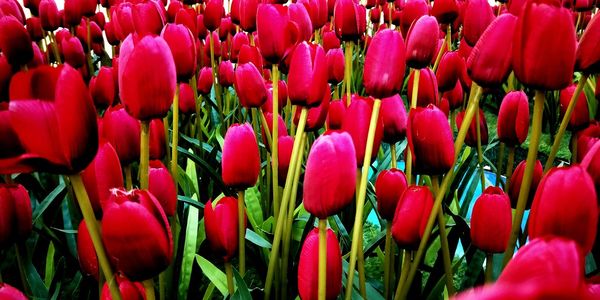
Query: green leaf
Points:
[256, 239]
[242, 292]
[190, 201]
[208, 292]
[216, 276]
[38, 288]
[40, 209]
[49, 271]
[253, 209]
[189, 251]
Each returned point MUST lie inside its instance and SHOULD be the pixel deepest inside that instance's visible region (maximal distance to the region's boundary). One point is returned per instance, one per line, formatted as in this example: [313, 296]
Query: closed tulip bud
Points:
[276, 32]
[123, 133]
[88, 260]
[285, 144]
[335, 65]
[187, 103]
[445, 11]
[428, 87]
[374, 14]
[513, 119]
[247, 12]
[308, 266]
[111, 35]
[213, 12]
[122, 17]
[454, 96]
[356, 123]
[591, 163]
[250, 54]
[183, 47]
[15, 41]
[72, 51]
[157, 139]
[102, 88]
[331, 41]
[147, 89]
[410, 216]
[49, 15]
[331, 162]
[517, 179]
[544, 57]
[38, 58]
[149, 17]
[335, 116]
[15, 209]
[412, 10]
[587, 137]
[239, 39]
[421, 42]
[240, 162]
[471, 138]
[221, 223]
[163, 187]
[173, 9]
[129, 290]
[580, 117]
[389, 186]
[10, 293]
[433, 150]
[350, 20]
[384, 64]
[34, 28]
[205, 81]
[299, 15]
[250, 86]
[587, 58]
[487, 65]
[318, 11]
[136, 234]
[281, 128]
[449, 69]
[315, 118]
[193, 21]
[491, 221]
[102, 175]
[307, 79]
[225, 73]
[393, 115]
[565, 205]
[477, 16]
[216, 44]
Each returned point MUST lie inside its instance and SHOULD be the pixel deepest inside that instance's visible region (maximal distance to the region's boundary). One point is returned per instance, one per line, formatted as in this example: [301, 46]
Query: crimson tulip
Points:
[350, 19]
[445, 11]
[11, 147]
[383, 74]
[299, 15]
[240, 162]
[587, 58]
[123, 132]
[421, 42]
[213, 12]
[307, 78]
[102, 88]
[428, 88]
[162, 186]
[393, 115]
[157, 139]
[225, 74]
[15, 207]
[187, 103]
[517, 178]
[331, 41]
[281, 128]
[449, 69]
[10, 293]
[356, 123]
[76, 9]
[277, 34]
[72, 51]
[102, 175]
[250, 54]
[335, 116]
[129, 290]
[239, 39]
[221, 224]
[410, 217]
[412, 11]
[331, 163]
[477, 17]
[88, 260]
[471, 138]
[580, 117]
[247, 12]
[389, 186]
[513, 119]
[49, 15]
[183, 47]
[285, 144]
[592, 164]
[491, 221]
[205, 81]
[282, 97]
[586, 138]
[308, 266]
[34, 28]
[454, 96]
[149, 17]
[316, 116]
[433, 150]
[15, 41]
[250, 86]
[335, 65]
[318, 12]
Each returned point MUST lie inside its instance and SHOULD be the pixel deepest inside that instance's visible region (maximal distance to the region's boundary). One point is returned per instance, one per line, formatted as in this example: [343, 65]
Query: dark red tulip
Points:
[250, 54]
[221, 223]
[544, 48]
[517, 178]
[225, 73]
[123, 133]
[554, 212]
[335, 116]
[183, 47]
[356, 123]
[284, 149]
[205, 81]
[15, 207]
[88, 260]
[580, 117]
[445, 11]
[454, 96]
[72, 51]
[122, 18]
[34, 28]
[102, 88]
[488, 65]
[49, 15]
[335, 66]
[587, 58]
[513, 119]
[281, 128]
[449, 69]
[384, 64]
[444, 105]
[282, 97]
[250, 86]
[149, 17]
[76, 9]
[54, 118]
[375, 14]
[299, 15]
[491, 221]
[412, 11]
[11, 147]
[308, 266]
[331, 41]
[216, 45]
[213, 12]
[389, 186]
[6, 72]
[239, 39]
[477, 17]
[240, 162]
[193, 21]
[173, 9]
[10, 293]
[15, 41]
[129, 290]
[163, 187]
[111, 35]
[591, 163]
[350, 19]
[471, 138]
[277, 34]
[428, 88]
[433, 150]
[157, 139]
[410, 216]
[100, 19]
[307, 78]
[136, 234]
[102, 175]
[318, 11]
[586, 138]
[393, 115]
[187, 103]
[315, 119]
[247, 12]
[421, 42]
[332, 162]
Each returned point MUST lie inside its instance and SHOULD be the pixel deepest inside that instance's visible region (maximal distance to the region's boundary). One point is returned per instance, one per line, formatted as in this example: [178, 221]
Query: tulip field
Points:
[310, 149]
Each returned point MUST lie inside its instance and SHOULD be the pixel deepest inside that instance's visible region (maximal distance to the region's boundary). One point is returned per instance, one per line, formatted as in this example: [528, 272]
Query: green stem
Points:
[489, 267]
[89, 46]
[444, 242]
[242, 232]
[538, 110]
[149, 287]
[128, 179]
[387, 270]
[393, 153]
[229, 272]
[348, 69]
[405, 266]
[438, 58]
[499, 164]
[55, 47]
[362, 192]
[322, 287]
[275, 139]
[564, 123]
[22, 271]
[144, 154]
[413, 104]
[360, 265]
[175, 137]
[214, 74]
[509, 167]
[479, 151]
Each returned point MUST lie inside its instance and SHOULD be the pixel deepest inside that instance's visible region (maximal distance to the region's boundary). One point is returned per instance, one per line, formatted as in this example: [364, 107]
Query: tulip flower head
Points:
[491, 221]
[517, 179]
[240, 162]
[307, 78]
[421, 42]
[15, 214]
[102, 175]
[309, 264]
[221, 223]
[513, 119]
[383, 74]
[410, 217]
[389, 186]
[250, 86]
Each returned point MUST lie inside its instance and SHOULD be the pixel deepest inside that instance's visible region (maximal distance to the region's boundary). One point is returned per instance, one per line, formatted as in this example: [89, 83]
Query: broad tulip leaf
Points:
[256, 239]
[41, 208]
[189, 250]
[242, 292]
[216, 276]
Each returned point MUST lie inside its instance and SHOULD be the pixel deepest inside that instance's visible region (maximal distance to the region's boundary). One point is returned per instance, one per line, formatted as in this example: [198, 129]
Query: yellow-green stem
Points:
[444, 241]
[149, 287]
[413, 104]
[393, 153]
[564, 123]
[214, 75]
[390, 9]
[242, 232]
[538, 110]
[479, 151]
[144, 154]
[386, 261]
[348, 70]
[322, 286]
[438, 58]
[489, 266]
[275, 139]
[405, 266]
[175, 137]
[229, 272]
[128, 179]
[362, 192]
[89, 48]
[499, 164]
[55, 47]
[509, 166]
[360, 265]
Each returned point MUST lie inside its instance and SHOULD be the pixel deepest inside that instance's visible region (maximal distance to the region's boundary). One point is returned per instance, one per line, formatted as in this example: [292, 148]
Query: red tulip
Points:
[308, 266]
[488, 65]
[356, 123]
[102, 175]
[136, 234]
[213, 12]
[88, 260]
[129, 290]
[149, 17]
[205, 80]
[477, 17]
[544, 48]
[34, 28]
[555, 213]
[183, 47]
[6, 72]
[318, 11]
[410, 217]
[187, 103]
[123, 132]
[250, 54]
[389, 186]
[412, 11]
[11, 147]
[433, 150]
[247, 11]
[147, 89]
[240, 39]
[315, 118]
[428, 88]
[277, 34]
[350, 20]
[331, 162]
[393, 115]
[449, 69]
[157, 139]
[163, 187]
[471, 138]
[580, 117]
[384, 64]
[225, 74]
[15, 221]
[240, 162]
[421, 42]
[335, 116]
[374, 14]
[250, 86]
[491, 221]
[221, 223]
[454, 96]
[587, 58]
[592, 165]
[102, 88]
[335, 65]
[49, 15]
[299, 15]
[10, 293]
[445, 11]
[15, 41]
[331, 41]
[513, 119]
[285, 144]
[586, 138]
[517, 178]
[72, 51]
[307, 78]
[111, 35]
[282, 97]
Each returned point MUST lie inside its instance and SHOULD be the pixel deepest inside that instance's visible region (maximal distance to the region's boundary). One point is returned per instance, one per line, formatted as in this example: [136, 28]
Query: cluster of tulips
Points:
[305, 124]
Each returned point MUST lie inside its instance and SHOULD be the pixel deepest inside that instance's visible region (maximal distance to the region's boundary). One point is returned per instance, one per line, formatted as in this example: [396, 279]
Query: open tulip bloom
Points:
[320, 149]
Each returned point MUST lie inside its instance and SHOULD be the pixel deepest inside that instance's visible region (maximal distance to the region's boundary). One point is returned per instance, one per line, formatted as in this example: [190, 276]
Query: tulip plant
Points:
[311, 149]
